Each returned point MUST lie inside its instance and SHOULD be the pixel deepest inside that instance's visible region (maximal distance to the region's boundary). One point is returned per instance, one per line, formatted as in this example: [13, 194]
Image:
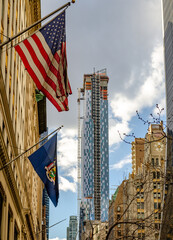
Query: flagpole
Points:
[51, 226]
[34, 24]
[29, 148]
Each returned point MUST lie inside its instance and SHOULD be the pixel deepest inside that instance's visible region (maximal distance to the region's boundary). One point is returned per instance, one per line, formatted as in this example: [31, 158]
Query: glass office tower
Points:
[72, 229]
[167, 217]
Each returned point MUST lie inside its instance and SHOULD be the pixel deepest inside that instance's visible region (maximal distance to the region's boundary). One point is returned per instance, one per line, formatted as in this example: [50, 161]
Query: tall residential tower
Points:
[94, 148]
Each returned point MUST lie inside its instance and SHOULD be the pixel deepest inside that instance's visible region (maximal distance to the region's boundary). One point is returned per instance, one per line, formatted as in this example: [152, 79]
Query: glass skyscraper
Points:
[167, 227]
[72, 229]
[168, 52]
[94, 149]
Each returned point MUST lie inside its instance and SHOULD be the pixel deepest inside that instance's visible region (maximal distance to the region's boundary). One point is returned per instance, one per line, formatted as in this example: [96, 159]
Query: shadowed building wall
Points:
[167, 227]
[20, 187]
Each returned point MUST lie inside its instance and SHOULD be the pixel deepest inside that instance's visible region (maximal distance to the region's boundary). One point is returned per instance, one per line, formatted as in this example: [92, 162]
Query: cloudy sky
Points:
[125, 37]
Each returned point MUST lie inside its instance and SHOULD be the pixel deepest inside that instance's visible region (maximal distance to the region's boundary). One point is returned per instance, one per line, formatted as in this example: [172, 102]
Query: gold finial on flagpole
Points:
[73, 1]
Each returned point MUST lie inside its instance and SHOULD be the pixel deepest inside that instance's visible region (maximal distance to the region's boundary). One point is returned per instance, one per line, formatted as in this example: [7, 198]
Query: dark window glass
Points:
[9, 224]
[155, 205]
[142, 205]
[158, 175]
[152, 161]
[157, 162]
[16, 232]
[154, 175]
[138, 205]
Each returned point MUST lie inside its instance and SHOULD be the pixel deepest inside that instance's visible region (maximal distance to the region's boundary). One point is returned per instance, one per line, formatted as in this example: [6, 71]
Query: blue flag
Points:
[44, 161]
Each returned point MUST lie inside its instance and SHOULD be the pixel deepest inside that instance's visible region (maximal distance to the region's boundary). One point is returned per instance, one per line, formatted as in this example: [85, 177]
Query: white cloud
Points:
[67, 149]
[121, 163]
[114, 127]
[66, 185]
[149, 93]
[57, 238]
[67, 159]
[72, 172]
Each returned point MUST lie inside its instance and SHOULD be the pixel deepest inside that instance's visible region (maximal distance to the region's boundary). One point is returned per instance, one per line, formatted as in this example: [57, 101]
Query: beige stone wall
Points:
[18, 127]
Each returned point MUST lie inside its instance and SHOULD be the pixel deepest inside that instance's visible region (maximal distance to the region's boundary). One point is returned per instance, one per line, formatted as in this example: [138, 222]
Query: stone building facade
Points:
[20, 187]
[143, 193]
[116, 210]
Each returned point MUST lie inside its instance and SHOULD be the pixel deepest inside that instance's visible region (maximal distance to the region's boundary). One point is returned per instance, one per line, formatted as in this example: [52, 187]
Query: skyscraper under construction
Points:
[94, 148]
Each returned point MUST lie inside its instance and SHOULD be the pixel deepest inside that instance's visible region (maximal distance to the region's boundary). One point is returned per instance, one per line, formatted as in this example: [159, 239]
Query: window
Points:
[155, 195]
[157, 226]
[139, 235]
[10, 219]
[118, 216]
[155, 205]
[159, 205]
[118, 209]
[157, 162]
[142, 215]
[119, 233]
[138, 205]
[158, 175]
[154, 175]
[154, 185]
[152, 161]
[142, 194]
[16, 232]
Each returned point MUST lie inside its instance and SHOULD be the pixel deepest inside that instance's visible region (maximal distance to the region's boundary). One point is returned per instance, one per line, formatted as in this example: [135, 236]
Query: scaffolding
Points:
[79, 191]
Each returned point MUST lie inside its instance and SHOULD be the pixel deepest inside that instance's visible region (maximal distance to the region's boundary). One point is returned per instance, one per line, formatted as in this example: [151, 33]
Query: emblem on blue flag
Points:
[51, 172]
[44, 161]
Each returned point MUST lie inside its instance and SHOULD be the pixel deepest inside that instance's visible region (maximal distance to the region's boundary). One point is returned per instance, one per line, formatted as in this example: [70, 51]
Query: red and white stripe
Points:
[47, 71]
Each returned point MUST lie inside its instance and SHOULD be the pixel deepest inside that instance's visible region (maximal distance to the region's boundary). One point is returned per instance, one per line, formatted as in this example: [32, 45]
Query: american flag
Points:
[44, 57]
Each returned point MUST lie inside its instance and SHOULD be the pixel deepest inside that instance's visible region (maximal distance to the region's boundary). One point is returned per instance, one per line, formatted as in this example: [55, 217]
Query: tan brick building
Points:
[137, 154]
